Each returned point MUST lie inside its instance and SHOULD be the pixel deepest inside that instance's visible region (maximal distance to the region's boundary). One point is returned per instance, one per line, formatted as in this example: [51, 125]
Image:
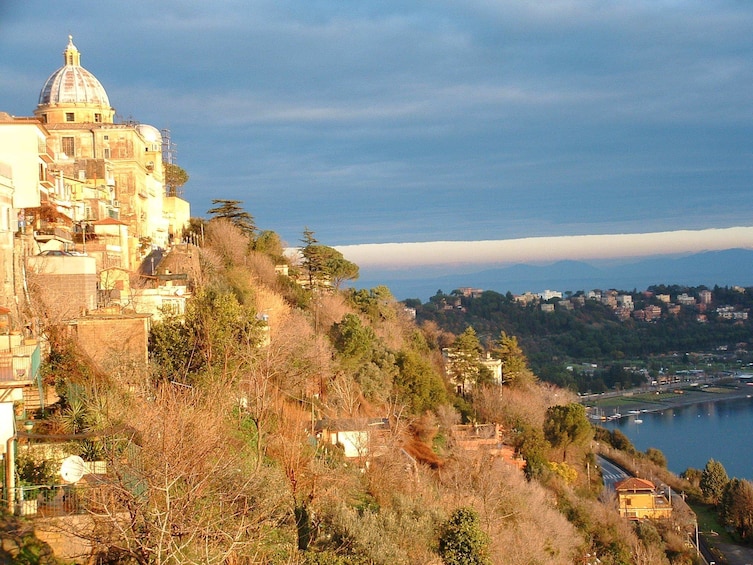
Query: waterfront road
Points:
[610, 472]
[734, 554]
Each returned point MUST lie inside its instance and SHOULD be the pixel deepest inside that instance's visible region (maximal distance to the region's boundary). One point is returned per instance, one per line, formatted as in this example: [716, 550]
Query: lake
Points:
[691, 435]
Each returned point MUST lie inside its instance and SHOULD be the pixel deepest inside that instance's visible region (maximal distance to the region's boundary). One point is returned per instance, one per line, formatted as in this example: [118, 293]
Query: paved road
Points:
[610, 472]
[736, 554]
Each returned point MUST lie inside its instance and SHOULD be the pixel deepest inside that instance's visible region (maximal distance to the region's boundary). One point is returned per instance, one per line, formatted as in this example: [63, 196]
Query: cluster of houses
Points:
[87, 213]
[84, 200]
[622, 304]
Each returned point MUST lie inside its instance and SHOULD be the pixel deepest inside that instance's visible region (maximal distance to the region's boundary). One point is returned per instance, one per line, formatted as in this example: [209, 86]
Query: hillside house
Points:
[486, 438]
[639, 498]
[358, 437]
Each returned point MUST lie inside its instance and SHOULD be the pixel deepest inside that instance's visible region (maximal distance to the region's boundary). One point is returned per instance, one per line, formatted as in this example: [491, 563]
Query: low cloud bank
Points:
[543, 249]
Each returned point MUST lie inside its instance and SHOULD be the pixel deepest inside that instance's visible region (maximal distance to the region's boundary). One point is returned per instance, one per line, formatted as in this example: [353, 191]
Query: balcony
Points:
[45, 153]
[19, 361]
[49, 232]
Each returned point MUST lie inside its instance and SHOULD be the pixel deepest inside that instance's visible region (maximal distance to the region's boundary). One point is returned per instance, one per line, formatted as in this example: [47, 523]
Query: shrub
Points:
[462, 541]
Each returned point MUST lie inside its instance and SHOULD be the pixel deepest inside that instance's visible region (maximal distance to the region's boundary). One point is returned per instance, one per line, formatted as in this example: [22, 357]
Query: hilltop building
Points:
[80, 194]
[104, 170]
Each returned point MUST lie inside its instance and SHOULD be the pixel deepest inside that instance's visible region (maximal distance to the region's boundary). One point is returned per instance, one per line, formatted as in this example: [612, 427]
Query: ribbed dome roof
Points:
[150, 133]
[72, 83]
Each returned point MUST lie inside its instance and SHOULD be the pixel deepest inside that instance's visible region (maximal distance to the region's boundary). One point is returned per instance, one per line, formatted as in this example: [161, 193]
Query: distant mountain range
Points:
[723, 268]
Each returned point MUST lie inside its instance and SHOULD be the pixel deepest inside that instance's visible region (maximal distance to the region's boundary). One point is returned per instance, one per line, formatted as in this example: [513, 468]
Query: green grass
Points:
[708, 521]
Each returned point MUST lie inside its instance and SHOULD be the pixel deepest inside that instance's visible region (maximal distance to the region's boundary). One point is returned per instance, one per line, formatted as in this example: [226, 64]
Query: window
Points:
[107, 152]
[69, 117]
[44, 118]
[106, 137]
[69, 146]
[98, 118]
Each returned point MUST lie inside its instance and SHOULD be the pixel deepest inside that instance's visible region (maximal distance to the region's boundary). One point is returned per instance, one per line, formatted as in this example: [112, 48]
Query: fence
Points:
[63, 500]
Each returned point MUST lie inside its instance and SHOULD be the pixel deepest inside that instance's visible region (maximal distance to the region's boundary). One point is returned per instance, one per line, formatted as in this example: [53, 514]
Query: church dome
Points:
[150, 133]
[73, 84]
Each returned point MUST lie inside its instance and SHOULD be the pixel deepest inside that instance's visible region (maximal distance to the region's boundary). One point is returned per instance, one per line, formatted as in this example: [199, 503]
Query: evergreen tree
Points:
[418, 383]
[324, 264]
[175, 178]
[656, 456]
[232, 211]
[567, 425]
[514, 363]
[713, 480]
[532, 447]
[463, 364]
[269, 243]
[737, 507]
[353, 340]
[313, 262]
[462, 541]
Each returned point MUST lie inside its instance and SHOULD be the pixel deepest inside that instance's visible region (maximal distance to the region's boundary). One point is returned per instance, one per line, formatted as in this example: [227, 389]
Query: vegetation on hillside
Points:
[220, 452]
[561, 345]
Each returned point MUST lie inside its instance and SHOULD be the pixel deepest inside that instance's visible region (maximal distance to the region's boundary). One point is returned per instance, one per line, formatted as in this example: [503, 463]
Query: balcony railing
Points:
[49, 232]
[46, 501]
[19, 363]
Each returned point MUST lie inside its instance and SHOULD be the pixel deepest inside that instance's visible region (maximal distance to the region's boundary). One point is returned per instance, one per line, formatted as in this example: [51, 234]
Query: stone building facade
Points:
[118, 165]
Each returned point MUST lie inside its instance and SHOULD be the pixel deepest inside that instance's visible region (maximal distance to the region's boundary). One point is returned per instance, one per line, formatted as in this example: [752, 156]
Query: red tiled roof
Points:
[109, 222]
[634, 483]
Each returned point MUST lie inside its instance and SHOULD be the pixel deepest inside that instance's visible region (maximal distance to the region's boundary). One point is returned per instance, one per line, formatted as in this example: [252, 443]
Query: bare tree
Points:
[180, 489]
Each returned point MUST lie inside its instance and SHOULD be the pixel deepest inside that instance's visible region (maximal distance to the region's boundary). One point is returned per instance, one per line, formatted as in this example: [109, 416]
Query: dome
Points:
[73, 84]
[150, 133]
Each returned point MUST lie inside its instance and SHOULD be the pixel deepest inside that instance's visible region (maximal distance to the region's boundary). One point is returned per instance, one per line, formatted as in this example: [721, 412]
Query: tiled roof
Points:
[634, 484]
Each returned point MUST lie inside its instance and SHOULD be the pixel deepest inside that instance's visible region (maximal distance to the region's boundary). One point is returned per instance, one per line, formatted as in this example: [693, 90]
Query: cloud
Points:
[393, 121]
[546, 249]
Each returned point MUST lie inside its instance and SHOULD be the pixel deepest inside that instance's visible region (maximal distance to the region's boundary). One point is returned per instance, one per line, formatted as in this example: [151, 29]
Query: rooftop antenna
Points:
[169, 150]
[169, 157]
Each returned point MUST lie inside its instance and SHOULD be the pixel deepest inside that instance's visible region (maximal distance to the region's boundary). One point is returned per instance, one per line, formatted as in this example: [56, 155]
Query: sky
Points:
[550, 123]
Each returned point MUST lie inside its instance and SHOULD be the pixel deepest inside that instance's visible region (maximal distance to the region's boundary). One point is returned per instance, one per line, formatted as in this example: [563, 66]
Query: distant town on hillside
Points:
[597, 340]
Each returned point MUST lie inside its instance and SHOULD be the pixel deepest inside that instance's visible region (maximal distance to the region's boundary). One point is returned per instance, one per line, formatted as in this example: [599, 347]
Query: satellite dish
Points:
[72, 469]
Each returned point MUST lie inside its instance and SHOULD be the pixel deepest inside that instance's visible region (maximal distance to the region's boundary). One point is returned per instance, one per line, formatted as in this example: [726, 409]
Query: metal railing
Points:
[48, 501]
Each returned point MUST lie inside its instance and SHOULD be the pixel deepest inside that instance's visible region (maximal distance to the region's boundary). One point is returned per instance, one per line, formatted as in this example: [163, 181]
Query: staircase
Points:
[32, 399]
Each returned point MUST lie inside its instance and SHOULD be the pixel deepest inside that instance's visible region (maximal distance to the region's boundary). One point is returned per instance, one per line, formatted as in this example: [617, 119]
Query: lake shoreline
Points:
[634, 403]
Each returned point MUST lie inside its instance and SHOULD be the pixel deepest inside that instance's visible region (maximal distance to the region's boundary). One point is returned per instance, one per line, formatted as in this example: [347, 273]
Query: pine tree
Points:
[713, 480]
[567, 425]
[175, 178]
[463, 364]
[312, 260]
[232, 211]
[514, 363]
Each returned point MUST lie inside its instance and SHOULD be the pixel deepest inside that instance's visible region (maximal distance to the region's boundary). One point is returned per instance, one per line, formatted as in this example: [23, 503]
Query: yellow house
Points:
[638, 499]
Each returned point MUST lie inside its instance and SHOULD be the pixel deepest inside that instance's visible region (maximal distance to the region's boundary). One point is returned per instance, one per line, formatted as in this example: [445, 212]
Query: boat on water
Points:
[638, 421]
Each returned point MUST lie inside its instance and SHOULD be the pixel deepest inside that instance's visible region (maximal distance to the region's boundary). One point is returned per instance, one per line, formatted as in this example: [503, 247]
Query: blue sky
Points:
[394, 122]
